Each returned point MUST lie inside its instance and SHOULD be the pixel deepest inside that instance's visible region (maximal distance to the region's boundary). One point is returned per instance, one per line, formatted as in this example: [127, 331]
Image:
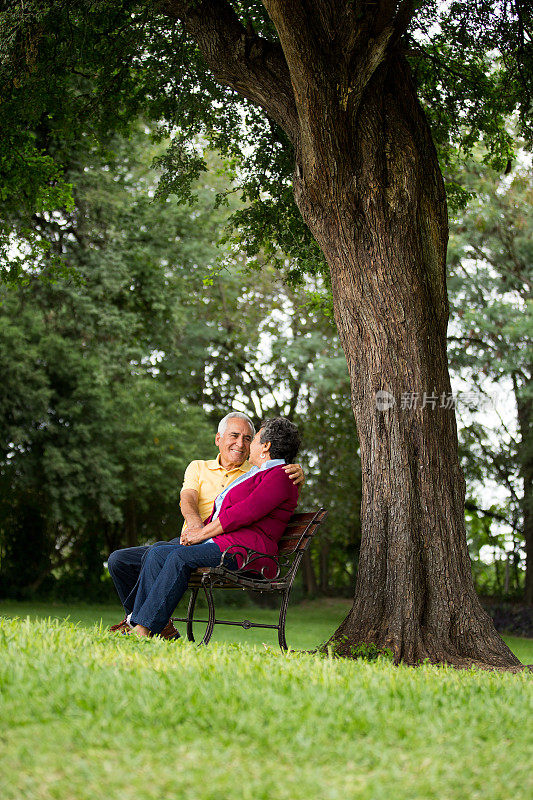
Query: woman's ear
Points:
[265, 449]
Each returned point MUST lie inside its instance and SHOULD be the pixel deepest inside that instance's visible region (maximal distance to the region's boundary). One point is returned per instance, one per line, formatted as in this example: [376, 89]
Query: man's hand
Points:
[295, 473]
[192, 535]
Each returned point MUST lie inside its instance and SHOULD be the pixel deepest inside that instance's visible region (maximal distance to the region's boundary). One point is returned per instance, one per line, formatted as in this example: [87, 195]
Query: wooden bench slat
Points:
[301, 516]
[296, 537]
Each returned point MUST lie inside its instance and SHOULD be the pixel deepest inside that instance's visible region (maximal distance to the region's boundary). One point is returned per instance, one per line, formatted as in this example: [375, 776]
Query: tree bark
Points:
[368, 185]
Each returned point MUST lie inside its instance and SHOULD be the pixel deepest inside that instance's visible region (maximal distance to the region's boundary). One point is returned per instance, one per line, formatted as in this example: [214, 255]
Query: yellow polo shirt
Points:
[208, 478]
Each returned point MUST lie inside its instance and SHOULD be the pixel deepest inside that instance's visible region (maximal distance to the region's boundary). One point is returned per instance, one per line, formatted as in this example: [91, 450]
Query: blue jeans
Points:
[163, 572]
[125, 567]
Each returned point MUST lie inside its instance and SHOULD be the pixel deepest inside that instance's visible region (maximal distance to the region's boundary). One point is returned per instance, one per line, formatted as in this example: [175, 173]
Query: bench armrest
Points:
[249, 557]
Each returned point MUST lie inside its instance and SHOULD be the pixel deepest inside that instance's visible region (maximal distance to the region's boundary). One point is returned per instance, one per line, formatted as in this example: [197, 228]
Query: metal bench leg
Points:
[211, 619]
[282, 617]
[190, 614]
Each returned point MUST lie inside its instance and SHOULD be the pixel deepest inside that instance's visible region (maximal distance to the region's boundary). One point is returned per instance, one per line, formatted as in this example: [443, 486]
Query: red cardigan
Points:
[256, 512]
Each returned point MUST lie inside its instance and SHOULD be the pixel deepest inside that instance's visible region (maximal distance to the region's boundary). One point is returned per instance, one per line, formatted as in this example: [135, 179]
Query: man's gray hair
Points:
[223, 424]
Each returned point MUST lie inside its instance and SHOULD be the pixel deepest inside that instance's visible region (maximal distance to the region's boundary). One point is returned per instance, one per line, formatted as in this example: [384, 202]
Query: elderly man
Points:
[203, 481]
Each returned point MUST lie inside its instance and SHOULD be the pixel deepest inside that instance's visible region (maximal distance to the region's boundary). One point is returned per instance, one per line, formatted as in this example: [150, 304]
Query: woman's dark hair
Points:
[283, 437]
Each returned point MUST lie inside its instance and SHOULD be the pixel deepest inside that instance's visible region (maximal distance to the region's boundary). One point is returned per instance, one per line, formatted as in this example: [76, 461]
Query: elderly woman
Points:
[252, 512]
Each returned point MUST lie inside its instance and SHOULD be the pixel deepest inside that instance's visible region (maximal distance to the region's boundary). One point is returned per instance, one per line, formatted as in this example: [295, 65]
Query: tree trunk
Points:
[528, 537]
[525, 412]
[309, 577]
[380, 218]
[324, 568]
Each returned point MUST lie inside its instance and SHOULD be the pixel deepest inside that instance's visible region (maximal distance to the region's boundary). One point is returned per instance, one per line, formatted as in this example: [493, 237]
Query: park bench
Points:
[301, 529]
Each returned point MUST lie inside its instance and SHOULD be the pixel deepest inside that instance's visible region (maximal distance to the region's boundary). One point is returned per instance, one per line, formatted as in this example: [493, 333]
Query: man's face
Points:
[234, 443]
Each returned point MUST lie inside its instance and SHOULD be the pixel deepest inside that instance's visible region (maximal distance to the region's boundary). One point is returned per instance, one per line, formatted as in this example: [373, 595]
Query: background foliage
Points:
[117, 371]
[490, 260]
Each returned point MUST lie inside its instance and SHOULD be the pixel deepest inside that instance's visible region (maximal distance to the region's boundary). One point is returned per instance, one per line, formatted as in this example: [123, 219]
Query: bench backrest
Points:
[300, 530]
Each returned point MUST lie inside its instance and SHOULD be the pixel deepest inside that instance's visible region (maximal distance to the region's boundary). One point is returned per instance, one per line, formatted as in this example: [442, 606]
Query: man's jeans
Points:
[151, 581]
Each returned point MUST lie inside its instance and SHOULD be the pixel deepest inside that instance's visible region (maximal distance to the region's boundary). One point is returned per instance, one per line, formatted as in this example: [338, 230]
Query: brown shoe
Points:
[169, 631]
[121, 627]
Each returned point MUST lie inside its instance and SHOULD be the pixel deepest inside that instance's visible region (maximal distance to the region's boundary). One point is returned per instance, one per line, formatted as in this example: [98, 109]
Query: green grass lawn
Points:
[308, 624]
[88, 715]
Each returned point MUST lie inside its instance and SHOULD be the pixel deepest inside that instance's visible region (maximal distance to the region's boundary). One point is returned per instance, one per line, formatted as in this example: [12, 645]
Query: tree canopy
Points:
[93, 67]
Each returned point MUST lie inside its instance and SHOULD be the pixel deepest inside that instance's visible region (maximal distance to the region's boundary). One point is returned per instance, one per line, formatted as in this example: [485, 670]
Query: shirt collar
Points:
[274, 462]
[215, 464]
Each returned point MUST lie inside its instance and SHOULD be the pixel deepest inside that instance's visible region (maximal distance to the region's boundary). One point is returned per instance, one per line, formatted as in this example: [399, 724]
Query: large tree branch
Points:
[404, 15]
[238, 57]
[315, 81]
[471, 506]
[521, 269]
[333, 49]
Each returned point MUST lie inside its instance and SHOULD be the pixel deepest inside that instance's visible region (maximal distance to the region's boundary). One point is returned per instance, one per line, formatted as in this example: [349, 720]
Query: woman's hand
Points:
[197, 535]
[193, 536]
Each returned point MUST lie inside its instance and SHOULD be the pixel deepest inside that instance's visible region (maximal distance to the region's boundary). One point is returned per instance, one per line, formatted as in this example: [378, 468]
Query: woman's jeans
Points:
[151, 581]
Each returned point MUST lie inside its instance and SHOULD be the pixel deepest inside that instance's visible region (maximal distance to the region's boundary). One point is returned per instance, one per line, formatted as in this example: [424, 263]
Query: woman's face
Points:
[259, 453]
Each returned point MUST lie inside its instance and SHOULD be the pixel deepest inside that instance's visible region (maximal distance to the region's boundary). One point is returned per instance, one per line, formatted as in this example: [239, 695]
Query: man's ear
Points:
[217, 438]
